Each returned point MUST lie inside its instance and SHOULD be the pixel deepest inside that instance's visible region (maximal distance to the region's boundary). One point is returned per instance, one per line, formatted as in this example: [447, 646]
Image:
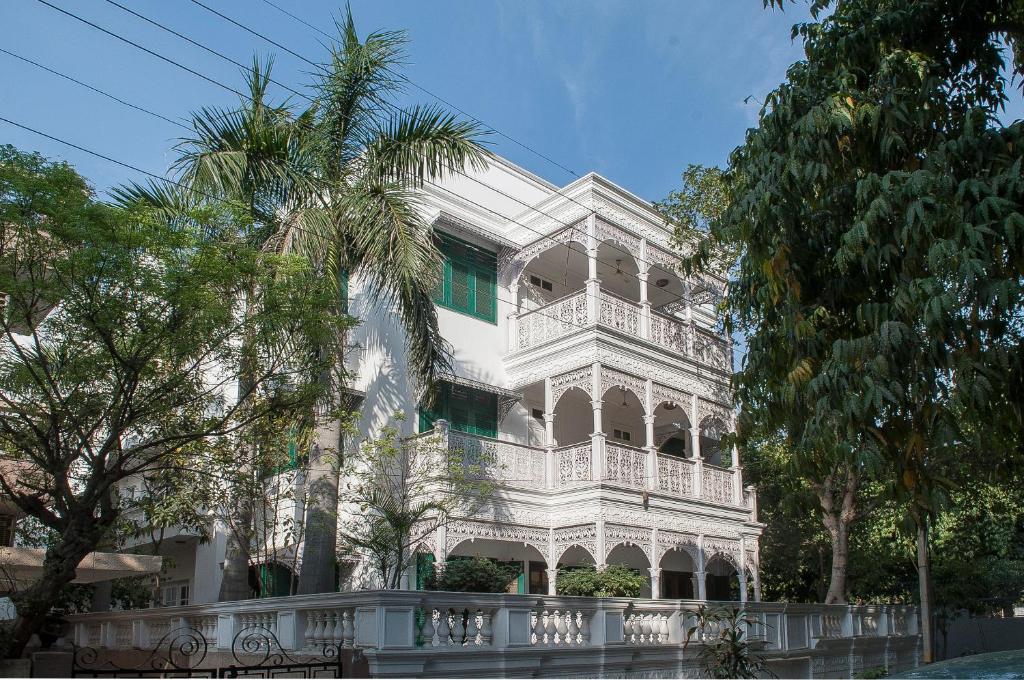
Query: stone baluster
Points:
[459, 629]
[585, 628]
[572, 628]
[560, 628]
[550, 627]
[347, 630]
[444, 628]
[627, 627]
[486, 630]
[472, 628]
[427, 631]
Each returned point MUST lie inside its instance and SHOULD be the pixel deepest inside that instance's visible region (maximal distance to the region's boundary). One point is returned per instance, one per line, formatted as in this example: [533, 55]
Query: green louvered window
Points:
[466, 410]
[469, 284]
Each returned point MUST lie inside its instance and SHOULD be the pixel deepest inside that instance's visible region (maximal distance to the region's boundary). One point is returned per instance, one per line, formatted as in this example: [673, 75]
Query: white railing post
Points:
[225, 630]
[288, 632]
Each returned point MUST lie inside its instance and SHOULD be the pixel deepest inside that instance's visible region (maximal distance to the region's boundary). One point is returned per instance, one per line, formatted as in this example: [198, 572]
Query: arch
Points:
[622, 416]
[618, 270]
[712, 429]
[633, 556]
[672, 430]
[577, 553]
[498, 549]
[721, 577]
[678, 567]
[574, 417]
[565, 237]
[561, 270]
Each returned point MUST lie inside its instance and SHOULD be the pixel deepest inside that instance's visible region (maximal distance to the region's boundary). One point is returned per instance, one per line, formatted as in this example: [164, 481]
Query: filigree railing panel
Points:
[573, 463]
[716, 485]
[553, 320]
[669, 333]
[619, 314]
[710, 349]
[625, 465]
[675, 475]
[506, 462]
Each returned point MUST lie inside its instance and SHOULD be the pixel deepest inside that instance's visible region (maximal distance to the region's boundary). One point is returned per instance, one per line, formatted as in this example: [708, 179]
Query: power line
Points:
[396, 109]
[528, 206]
[203, 47]
[438, 97]
[144, 49]
[96, 89]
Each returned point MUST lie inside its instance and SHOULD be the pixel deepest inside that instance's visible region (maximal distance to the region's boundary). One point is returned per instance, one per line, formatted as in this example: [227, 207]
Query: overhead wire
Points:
[674, 297]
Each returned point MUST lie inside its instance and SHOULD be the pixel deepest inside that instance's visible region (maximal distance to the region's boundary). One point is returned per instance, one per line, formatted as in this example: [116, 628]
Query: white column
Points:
[701, 590]
[599, 557]
[737, 470]
[551, 467]
[513, 318]
[645, 303]
[688, 300]
[698, 460]
[652, 451]
[655, 582]
[597, 436]
[552, 581]
[593, 283]
[743, 570]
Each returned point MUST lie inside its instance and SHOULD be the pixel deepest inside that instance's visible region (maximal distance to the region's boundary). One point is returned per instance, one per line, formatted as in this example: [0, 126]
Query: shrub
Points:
[612, 581]
[475, 575]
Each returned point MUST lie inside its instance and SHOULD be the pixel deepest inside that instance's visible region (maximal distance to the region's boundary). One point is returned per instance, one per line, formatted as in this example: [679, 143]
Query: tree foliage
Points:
[474, 575]
[614, 580]
[120, 347]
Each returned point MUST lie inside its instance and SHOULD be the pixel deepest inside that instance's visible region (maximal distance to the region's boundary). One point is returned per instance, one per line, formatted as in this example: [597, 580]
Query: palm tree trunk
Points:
[320, 526]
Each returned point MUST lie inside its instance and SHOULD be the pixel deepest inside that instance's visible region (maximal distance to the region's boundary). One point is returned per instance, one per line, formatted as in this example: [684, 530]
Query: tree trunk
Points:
[234, 584]
[840, 562]
[34, 603]
[924, 578]
[320, 525]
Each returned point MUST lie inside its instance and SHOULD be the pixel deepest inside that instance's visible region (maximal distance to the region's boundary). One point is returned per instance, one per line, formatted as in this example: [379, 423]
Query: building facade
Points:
[585, 367]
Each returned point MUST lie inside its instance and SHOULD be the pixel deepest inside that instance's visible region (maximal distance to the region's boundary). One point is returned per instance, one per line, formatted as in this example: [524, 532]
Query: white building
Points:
[589, 369]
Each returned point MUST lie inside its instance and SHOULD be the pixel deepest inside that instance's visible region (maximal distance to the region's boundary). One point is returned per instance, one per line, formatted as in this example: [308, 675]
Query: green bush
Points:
[612, 581]
[475, 575]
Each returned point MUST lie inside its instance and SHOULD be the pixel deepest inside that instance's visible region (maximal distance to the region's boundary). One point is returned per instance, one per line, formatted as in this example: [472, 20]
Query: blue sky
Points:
[632, 90]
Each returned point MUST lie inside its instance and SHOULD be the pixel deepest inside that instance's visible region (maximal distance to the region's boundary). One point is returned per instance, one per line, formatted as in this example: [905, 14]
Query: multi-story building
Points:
[591, 373]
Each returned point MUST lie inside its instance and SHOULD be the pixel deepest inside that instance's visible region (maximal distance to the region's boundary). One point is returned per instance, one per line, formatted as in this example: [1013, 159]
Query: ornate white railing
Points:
[669, 333]
[618, 313]
[717, 485]
[486, 635]
[506, 462]
[570, 314]
[625, 465]
[555, 319]
[675, 475]
[573, 463]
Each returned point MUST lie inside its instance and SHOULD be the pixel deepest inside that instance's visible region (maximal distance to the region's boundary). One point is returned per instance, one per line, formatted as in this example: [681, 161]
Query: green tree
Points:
[335, 182]
[400, 490]
[877, 204]
[614, 580]
[119, 351]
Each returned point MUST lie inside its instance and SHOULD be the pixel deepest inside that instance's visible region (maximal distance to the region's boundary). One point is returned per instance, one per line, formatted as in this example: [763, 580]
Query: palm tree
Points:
[336, 183]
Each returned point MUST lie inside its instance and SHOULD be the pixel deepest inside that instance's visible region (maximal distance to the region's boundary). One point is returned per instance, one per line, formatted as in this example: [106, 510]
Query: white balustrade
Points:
[507, 462]
[625, 465]
[717, 485]
[554, 320]
[484, 627]
[710, 349]
[573, 463]
[675, 475]
[618, 313]
[669, 333]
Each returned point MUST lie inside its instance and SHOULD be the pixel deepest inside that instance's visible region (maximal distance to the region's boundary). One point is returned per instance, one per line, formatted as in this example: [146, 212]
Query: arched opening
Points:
[665, 291]
[617, 269]
[622, 417]
[633, 557]
[529, 562]
[555, 273]
[711, 432]
[574, 418]
[575, 556]
[672, 430]
[721, 580]
[677, 574]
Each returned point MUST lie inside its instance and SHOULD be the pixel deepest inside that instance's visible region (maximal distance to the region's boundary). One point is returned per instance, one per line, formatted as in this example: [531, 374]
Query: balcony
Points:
[515, 465]
[573, 313]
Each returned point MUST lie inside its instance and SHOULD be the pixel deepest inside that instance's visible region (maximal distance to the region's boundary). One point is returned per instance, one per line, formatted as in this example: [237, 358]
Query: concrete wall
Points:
[974, 635]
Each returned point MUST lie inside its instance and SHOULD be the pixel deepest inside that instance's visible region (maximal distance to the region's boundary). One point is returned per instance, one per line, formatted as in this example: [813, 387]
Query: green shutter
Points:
[466, 410]
[469, 281]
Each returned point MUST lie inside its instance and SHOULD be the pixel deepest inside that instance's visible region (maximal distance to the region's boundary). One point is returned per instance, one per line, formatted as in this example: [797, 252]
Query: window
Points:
[466, 410]
[469, 284]
[622, 435]
[174, 594]
[543, 284]
[7, 530]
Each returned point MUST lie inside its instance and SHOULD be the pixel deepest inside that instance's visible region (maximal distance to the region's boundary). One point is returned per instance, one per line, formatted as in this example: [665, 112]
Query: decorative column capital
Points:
[649, 419]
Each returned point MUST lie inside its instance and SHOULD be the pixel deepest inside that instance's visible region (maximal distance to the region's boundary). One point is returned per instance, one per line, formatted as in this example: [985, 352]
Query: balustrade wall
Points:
[397, 628]
[570, 314]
